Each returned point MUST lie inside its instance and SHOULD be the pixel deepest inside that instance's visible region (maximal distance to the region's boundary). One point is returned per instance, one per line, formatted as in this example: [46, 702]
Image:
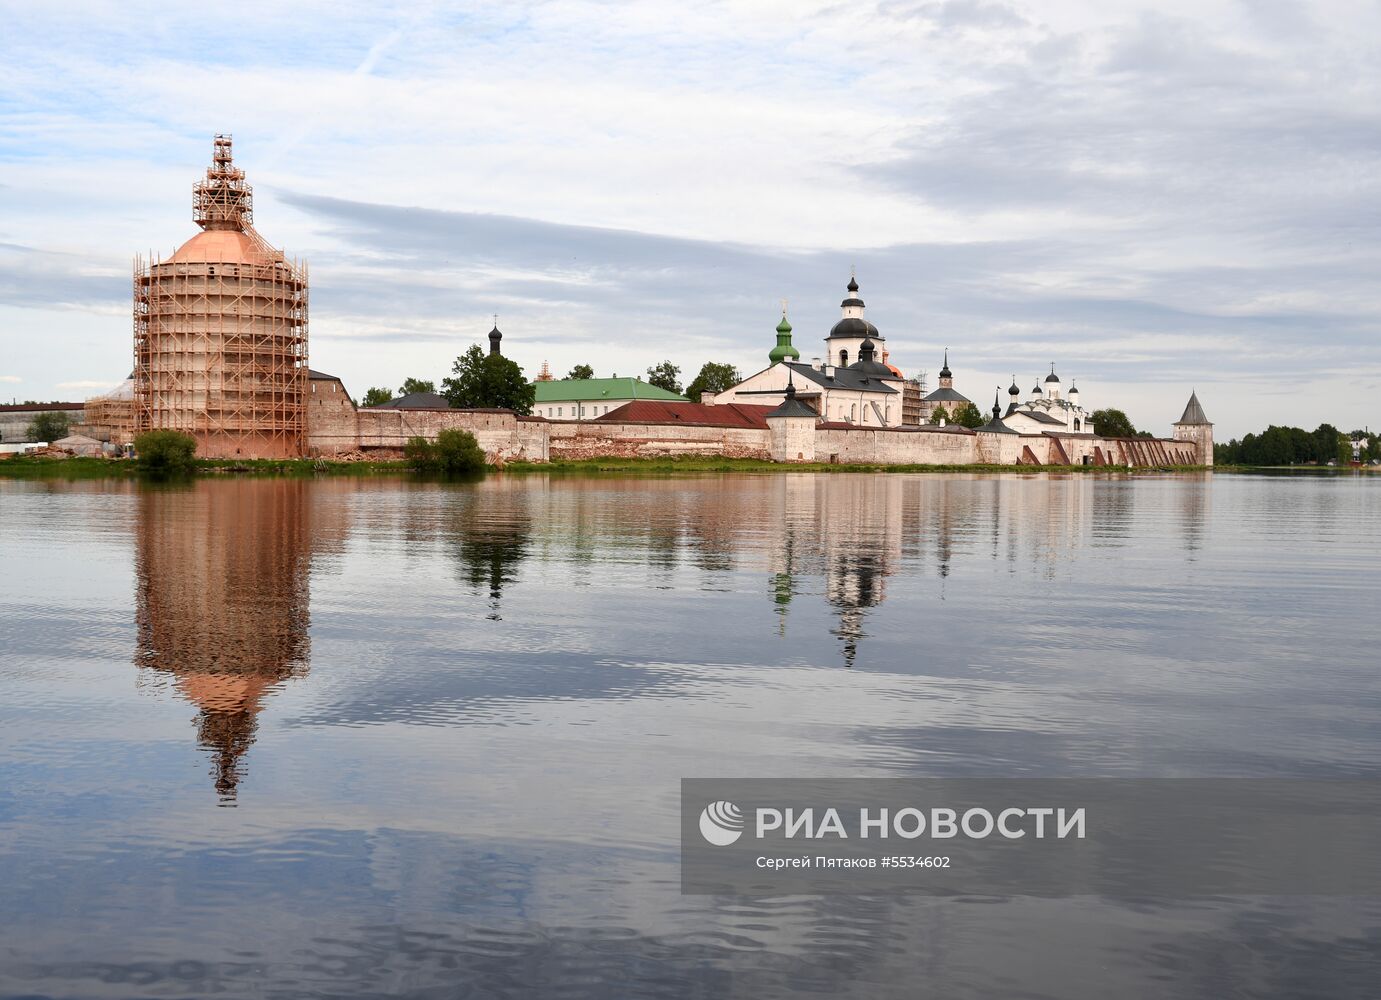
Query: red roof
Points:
[39, 407]
[658, 411]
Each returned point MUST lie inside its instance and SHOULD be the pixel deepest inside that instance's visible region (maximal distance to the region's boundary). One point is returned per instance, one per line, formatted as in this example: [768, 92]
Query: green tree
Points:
[968, 416]
[49, 427]
[1112, 423]
[713, 377]
[665, 376]
[376, 397]
[453, 452]
[939, 414]
[411, 385]
[165, 452]
[581, 371]
[488, 380]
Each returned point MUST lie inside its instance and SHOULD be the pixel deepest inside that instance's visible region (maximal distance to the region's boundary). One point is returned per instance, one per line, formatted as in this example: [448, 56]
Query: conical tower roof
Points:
[1193, 412]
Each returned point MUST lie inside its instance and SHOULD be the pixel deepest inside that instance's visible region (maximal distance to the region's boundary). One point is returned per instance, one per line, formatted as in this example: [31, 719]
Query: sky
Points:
[1155, 199]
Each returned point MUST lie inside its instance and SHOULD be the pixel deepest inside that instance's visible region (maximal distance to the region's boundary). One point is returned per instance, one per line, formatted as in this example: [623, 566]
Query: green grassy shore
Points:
[26, 467]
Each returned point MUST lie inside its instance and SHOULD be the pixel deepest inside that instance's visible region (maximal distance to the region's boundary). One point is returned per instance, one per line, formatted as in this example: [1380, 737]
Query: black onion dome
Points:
[1013, 390]
[853, 283]
[852, 326]
[1052, 377]
[1036, 389]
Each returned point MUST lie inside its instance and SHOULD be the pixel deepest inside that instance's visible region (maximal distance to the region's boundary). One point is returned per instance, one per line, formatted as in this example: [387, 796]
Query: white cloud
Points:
[10, 378]
[1156, 196]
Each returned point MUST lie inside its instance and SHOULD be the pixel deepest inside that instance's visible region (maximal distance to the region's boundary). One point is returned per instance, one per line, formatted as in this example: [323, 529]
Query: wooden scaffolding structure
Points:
[220, 330]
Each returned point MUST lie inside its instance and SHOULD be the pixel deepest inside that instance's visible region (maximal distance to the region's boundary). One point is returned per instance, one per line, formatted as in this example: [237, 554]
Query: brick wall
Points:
[608, 438]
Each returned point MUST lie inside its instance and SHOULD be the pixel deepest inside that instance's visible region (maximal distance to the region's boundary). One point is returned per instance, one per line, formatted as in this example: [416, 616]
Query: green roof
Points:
[581, 390]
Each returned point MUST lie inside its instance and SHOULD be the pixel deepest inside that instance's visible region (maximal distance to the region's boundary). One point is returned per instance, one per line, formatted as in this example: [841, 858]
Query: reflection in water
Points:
[465, 803]
[492, 532]
[222, 602]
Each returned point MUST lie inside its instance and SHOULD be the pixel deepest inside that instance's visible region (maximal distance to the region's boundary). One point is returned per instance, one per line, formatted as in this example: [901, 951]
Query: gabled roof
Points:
[415, 401]
[843, 378]
[1036, 415]
[1193, 412]
[571, 390]
[315, 376]
[662, 411]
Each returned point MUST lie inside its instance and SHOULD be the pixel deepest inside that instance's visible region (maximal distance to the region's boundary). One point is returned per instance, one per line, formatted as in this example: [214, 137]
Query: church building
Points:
[849, 385]
[1047, 409]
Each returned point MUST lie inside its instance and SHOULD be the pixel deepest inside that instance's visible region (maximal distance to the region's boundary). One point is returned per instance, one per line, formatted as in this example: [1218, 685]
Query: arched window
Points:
[853, 412]
[1076, 424]
[843, 359]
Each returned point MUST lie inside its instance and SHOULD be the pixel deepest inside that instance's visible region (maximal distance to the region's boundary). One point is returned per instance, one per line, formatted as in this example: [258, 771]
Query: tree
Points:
[665, 376]
[411, 385]
[453, 452]
[49, 427]
[165, 452]
[488, 380]
[581, 371]
[968, 416]
[1112, 423]
[712, 378]
[938, 415]
[376, 397]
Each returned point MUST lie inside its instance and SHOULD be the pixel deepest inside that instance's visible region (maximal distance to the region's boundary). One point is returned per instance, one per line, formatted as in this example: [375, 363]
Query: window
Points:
[853, 412]
[843, 359]
[558, 412]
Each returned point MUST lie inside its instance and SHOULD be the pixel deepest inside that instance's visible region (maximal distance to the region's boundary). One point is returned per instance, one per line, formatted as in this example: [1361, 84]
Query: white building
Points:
[1049, 408]
[859, 389]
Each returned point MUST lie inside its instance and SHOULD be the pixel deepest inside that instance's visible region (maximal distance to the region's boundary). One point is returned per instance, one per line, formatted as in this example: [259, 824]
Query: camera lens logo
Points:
[721, 823]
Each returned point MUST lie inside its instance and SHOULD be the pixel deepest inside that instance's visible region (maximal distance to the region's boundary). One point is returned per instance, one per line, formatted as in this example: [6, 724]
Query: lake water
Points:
[353, 737]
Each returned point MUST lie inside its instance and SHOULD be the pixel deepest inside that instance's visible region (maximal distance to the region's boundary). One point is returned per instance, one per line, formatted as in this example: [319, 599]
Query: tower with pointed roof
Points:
[495, 337]
[1194, 426]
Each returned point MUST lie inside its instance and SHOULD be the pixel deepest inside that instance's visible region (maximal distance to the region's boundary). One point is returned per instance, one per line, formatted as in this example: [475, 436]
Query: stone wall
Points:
[336, 429]
[620, 439]
[889, 446]
[503, 435]
[15, 419]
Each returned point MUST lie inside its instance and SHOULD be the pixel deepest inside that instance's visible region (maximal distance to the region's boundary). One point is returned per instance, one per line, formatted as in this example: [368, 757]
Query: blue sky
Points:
[1154, 198]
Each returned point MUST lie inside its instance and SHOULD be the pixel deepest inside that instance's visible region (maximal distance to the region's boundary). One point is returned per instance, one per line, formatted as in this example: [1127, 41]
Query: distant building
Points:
[1047, 409]
[860, 390]
[588, 398]
[945, 396]
[661, 411]
[15, 418]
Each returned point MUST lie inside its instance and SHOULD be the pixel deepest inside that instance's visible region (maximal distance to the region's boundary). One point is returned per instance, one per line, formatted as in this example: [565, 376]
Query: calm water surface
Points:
[293, 738]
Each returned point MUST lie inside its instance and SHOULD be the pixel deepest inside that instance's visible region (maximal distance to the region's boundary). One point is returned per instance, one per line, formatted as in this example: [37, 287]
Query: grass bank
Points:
[700, 463]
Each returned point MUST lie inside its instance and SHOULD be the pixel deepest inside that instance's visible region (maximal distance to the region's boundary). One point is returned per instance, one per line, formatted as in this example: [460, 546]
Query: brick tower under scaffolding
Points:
[220, 330]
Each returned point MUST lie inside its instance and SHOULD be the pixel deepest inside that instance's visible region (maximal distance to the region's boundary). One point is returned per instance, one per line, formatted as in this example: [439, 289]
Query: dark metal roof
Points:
[415, 401]
[843, 378]
[1012, 390]
[852, 326]
[996, 426]
[946, 396]
[1193, 412]
[852, 301]
[1042, 418]
[1052, 377]
[39, 407]
[314, 376]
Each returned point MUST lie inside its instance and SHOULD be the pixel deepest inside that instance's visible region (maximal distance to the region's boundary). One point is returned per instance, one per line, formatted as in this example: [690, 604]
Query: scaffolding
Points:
[220, 330]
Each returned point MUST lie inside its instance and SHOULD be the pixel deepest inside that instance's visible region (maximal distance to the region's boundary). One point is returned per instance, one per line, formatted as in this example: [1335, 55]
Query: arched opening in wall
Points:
[853, 412]
[843, 359]
[1076, 424]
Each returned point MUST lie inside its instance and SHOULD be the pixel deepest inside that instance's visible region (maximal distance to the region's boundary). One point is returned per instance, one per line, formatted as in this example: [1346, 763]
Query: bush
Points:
[165, 451]
[452, 452]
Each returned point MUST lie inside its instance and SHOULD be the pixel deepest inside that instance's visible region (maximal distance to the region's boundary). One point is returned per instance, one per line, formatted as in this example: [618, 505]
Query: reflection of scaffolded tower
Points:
[222, 602]
[220, 330]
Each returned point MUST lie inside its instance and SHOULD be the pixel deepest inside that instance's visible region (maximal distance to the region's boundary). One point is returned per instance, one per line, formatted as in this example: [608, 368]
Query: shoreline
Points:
[20, 467]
